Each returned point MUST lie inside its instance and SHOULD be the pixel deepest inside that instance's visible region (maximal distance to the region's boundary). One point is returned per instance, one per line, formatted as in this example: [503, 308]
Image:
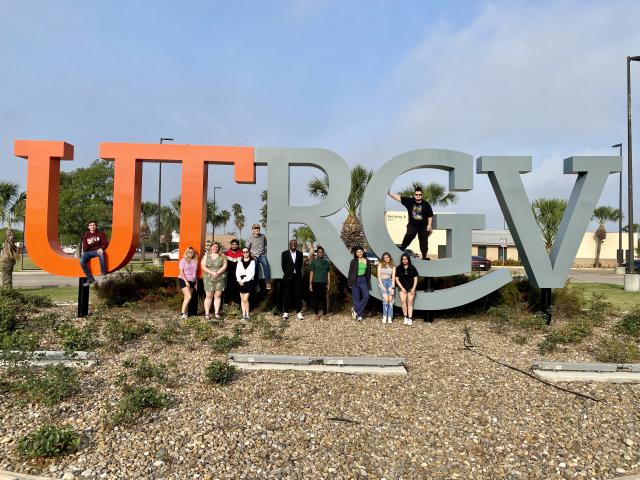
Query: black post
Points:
[620, 250]
[428, 314]
[546, 303]
[83, 298]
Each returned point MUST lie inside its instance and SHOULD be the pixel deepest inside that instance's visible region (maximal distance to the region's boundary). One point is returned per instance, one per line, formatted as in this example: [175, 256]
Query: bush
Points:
[52, 385]
[49, 441]
[268, 331]
[599, 308]
[203, 331]
[17, 346]
[629, 324]
[569, 333]
[519, 339]
[501, 316]
[144, 370]
[75, 339]
[119, 332]
[170, 331]
[128, 287]
[537, 321]
[568, 302]
[614, 350]
[220, 373]
[225, 343]
[135, 402]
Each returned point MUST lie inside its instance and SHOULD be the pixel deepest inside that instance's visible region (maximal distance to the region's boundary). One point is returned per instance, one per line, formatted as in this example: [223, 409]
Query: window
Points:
[442, 251]
[482, 251]
[502, 253]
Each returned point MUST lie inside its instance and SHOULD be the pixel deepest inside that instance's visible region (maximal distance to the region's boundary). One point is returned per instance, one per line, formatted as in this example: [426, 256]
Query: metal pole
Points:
[213, 220]
[83, 298]
[620, 255]
[630, 258]
[546, 303]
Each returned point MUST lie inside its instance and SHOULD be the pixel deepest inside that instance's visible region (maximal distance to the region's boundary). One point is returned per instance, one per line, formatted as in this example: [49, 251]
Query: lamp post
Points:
[213, 220]
[620, 251]
[162, 140]
[630, 260]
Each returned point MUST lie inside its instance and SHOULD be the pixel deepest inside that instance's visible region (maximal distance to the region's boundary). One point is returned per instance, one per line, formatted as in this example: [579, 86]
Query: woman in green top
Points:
[214, 266]
[359, 281]
[319, 282]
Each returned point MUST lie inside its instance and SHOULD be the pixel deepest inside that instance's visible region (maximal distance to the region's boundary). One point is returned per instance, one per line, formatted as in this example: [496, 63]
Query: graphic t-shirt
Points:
[418, 212]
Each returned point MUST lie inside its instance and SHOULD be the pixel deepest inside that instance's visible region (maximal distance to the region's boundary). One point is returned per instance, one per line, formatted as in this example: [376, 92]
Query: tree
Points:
[11, 202]
[351, 233]
[548, 213]
[636, 228]
[305, 237]
[224, 218]
[85, 194]
[170, 221]
[215, 218]
[434, 193]
[148, 211]
[263, 209]
[238, 217]
[603, 215]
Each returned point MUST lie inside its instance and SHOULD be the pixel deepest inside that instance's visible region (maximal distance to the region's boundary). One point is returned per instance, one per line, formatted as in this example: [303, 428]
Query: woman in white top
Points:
[245, 272]
[386, 281]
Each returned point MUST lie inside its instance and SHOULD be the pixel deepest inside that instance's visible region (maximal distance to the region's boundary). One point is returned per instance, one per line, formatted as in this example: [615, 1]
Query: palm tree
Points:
[434, 193]
[351, 233]
[215, 218]
[11, 203]
[548, 213]
[148, 210]
[304, 235]
[223, 218]
[238, 217]
[603, 215]
[263, 209]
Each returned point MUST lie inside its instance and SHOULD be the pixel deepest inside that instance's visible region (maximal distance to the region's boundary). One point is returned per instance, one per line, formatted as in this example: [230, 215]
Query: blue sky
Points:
[366, 79]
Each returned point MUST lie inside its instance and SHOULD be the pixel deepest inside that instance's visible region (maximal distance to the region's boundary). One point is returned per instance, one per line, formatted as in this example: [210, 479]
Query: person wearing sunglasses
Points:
[420, 220]
[245, 273]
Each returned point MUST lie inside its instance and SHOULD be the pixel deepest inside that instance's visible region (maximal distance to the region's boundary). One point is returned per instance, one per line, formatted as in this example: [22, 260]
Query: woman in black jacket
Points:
[359, 281]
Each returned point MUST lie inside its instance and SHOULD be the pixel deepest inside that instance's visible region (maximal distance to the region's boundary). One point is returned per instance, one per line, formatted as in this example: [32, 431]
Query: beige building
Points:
[498, 244]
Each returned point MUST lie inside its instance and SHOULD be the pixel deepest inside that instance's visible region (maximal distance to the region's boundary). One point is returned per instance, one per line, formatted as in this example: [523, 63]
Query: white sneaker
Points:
[384, 319]
[409, 321]
[406, 321]
[353, 314]
[389, 320]
[359, 319]
[184, 316]
[285, 315]
[299, 316]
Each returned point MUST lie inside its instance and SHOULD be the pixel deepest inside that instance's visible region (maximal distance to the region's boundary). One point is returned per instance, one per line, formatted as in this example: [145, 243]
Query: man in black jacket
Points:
[292, 279]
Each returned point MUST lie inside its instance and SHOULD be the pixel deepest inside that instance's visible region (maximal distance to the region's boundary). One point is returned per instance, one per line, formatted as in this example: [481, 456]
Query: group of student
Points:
[238, 269]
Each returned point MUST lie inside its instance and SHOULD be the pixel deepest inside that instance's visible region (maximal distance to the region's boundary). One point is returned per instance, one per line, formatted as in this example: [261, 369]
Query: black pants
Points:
[423, 238]
[291, 292]
[319, 297]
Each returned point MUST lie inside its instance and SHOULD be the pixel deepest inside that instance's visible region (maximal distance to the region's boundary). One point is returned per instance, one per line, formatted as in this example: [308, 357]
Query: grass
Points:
[26, 264]
[615, 294]
[57, 294]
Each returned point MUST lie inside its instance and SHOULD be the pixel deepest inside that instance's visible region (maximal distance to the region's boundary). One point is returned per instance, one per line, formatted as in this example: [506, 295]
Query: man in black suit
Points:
[292, 279]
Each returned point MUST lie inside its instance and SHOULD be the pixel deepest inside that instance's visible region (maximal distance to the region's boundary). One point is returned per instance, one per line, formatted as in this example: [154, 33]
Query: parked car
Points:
[172, 255]
[372, 258]
[70, 250]
[480, 263]
[636, 263]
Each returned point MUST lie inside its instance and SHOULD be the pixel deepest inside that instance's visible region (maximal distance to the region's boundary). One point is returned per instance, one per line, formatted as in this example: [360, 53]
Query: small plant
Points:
[501, 316]
[599, 308]
[616, 350]
[49, 441]
[267, 330]
[569, 333]
[135, 402]
[170, 331]
[143, 370]
[220, 373]
[203, 331]
[119, 332]
[225, 343]
[568, 302]
[52, 385]
[629, 324]
[232, 310]
[16, 347]
[519, 339]
[537, 321]
[75, 339]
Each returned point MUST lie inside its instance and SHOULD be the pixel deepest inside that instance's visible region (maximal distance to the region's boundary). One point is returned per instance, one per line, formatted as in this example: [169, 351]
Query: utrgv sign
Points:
[544, 270]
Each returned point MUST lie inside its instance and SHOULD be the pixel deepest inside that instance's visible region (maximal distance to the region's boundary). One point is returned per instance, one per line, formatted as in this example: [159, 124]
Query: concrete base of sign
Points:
[44, 358]
[20, 476]
[350, 369]
[632, 282]
[606, 377]
[621, 270]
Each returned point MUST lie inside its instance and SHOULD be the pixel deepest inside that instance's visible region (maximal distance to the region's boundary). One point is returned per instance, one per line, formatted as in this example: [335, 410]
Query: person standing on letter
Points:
[420, 220]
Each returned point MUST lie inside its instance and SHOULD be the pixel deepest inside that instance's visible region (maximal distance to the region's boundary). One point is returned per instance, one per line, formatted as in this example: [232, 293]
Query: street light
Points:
[213, 220]
[620, 251]
[162, 140]
[630, 260]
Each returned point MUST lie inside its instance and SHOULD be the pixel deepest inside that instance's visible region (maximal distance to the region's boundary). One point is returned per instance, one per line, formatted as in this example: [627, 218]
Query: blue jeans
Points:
[360, 295]
[266, 269]
[387, 308]
[84, 260]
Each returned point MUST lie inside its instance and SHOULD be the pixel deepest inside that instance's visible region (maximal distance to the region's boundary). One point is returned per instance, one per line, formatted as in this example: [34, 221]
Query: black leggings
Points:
[423, 238]
[319, 297]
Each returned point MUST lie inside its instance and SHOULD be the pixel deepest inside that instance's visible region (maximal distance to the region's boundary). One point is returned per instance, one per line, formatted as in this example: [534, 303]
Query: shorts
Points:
[387, 287]
[183, 285]
[247, 287]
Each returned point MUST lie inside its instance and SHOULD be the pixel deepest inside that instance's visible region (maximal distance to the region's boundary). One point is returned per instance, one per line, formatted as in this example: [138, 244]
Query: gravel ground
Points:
[455, 415]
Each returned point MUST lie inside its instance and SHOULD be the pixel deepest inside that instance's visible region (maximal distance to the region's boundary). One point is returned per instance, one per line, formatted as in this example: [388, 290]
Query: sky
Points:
[367, 79]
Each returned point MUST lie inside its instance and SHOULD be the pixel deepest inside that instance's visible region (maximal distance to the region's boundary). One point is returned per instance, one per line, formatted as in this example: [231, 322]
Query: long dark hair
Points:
[408, 259]
[356, 248]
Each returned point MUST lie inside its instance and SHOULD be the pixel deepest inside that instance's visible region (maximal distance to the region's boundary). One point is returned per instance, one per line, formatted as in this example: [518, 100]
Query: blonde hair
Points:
[195, 254]
[389, 263]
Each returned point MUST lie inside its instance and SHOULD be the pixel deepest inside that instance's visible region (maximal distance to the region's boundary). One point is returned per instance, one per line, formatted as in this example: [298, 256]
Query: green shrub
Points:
[537, 321]
[519, 339]
[614, 350]
[568, 302]
[135, 402]
[599, 308]
[232, 310]
[203, 331]
[569, 333]
[50, 386]
[75, 339]
[225, 343]
[49, 441]
[501, 316]
[144, 370]
[629, 324]
[119, 332]
[170, 331]
[128, 287]
[269, 331]
[16, 347]
[220, 373]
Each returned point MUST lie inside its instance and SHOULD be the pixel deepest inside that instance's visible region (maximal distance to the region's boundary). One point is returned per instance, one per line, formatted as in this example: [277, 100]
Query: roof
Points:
[491, 237]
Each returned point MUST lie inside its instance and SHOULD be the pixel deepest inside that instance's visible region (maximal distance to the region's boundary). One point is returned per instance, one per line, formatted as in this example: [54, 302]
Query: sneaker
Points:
[89, 281]
[299, 316]
[359, 319]
[268, 285]
[384, 319]
[184, 316]
[409, 321]
[245, 317]
[285, 315]
[406, 320]
[389, 320]
[353, 314]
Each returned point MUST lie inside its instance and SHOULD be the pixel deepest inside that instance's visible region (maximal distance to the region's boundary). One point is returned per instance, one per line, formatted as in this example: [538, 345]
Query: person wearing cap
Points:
[234, 255]
[257, 245]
